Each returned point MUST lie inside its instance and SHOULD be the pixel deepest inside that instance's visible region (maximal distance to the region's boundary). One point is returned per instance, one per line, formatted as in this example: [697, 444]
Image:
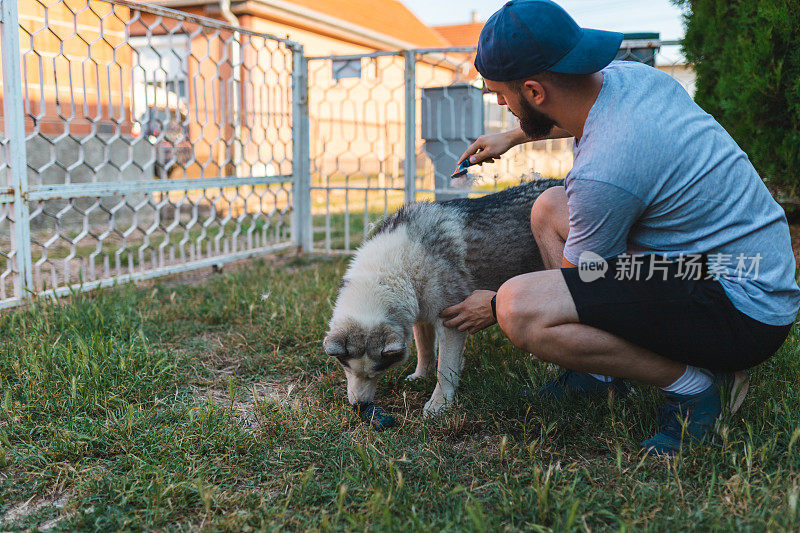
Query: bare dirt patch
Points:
[243, 403]
[26, 509]
[219, 384]
[472, 445]
[217, 355]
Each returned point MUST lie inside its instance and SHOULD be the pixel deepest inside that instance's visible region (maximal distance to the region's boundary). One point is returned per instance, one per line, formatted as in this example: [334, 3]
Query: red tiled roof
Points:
[389, 17]
[461, 34]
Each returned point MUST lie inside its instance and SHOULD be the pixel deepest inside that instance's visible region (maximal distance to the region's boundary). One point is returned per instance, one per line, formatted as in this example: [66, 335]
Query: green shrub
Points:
[747, 57]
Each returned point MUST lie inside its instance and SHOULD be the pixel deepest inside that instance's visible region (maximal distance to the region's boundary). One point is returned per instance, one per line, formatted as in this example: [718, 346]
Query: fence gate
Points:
[139, 141]
[357, 113]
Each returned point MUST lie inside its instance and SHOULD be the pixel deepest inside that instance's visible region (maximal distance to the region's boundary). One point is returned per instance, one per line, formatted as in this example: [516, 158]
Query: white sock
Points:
[693, 381]
[601, 377]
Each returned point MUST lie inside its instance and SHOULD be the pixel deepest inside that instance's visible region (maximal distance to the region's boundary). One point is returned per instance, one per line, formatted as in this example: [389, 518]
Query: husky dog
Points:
[417, 262]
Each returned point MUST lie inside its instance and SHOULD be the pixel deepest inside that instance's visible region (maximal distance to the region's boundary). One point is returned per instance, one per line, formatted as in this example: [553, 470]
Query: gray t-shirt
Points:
[654, 173]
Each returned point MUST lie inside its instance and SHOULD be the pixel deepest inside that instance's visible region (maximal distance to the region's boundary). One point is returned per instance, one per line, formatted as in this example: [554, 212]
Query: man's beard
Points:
[533, 122]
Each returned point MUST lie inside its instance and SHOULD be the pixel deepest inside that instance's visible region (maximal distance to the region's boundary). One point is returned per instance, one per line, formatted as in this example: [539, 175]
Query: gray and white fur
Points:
[419, 261]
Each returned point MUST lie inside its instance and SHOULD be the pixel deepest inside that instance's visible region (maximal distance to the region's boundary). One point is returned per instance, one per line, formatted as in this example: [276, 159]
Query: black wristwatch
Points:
[494, 306]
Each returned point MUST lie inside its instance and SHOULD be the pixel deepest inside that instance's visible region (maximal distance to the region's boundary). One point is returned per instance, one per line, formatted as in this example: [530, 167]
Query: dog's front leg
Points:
[425, 339]
[451, 362]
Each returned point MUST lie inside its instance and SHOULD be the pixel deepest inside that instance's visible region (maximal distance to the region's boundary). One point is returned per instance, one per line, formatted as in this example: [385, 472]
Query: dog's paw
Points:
[435, 406]
[416, 375]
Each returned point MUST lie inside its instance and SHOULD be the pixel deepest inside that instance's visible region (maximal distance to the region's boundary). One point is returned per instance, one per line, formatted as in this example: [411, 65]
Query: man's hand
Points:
[472, 315]
[490, 146]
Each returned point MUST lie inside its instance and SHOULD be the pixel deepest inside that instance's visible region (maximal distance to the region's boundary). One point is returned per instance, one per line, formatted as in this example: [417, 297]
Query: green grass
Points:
[208, 407]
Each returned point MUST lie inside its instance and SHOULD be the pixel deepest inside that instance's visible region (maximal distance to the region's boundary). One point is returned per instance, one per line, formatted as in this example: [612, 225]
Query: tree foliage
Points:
[747, 57]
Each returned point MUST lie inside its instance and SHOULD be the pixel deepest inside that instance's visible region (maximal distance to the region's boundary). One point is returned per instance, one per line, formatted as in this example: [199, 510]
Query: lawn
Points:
[210, 405]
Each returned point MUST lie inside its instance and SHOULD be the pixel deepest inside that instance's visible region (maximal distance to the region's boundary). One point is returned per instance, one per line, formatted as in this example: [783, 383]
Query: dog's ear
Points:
[335, 345]
[392, 353]
[391, 340]
[393, 346]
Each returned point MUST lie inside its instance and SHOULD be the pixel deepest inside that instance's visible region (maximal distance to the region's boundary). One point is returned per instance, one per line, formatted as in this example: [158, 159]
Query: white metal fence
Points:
[139, 141]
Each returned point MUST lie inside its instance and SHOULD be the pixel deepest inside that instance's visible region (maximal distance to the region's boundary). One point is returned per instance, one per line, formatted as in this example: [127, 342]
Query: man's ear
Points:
[535, 91]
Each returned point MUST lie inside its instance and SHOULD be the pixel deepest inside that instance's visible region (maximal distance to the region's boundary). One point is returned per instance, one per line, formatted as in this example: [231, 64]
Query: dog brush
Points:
[462, 169]
[375, 416]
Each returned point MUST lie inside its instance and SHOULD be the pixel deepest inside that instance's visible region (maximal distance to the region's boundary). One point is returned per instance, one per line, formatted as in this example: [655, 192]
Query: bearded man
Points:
[687, 276]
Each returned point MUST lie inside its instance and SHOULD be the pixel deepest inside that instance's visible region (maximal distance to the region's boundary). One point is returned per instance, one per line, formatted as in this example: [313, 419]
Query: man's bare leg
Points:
[538, 315]
[550, 225]
[560, 339]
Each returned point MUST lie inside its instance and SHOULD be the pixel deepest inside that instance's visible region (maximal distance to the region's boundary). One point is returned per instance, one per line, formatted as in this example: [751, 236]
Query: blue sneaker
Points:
[691, 418]
[573, 384]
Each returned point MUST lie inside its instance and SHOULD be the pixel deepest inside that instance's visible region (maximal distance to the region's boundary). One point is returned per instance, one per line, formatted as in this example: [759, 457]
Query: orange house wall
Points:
[69, 71]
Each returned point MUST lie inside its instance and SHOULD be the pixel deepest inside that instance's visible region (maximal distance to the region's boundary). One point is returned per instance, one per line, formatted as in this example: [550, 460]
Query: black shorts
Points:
[691, 321]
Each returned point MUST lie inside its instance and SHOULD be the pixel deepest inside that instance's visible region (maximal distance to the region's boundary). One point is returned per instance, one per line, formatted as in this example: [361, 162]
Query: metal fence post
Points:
[410, 161]
[302, 229]
[15, 130]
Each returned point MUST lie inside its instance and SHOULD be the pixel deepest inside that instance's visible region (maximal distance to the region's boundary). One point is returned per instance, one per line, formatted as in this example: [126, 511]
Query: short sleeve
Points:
[600, 218]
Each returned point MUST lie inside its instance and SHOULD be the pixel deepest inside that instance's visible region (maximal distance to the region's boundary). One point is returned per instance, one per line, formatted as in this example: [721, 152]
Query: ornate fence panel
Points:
[140, 141]
[357, 121]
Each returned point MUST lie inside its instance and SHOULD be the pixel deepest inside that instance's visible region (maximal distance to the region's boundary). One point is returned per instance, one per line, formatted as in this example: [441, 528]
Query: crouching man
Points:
[686, 275]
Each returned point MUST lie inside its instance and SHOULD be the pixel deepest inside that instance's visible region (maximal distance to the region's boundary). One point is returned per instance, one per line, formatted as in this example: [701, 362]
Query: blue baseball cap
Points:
[525, 37]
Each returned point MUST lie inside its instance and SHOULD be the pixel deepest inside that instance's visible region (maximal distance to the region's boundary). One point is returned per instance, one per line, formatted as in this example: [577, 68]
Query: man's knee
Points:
[517, 315]
[549, 208]
[530, 306]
